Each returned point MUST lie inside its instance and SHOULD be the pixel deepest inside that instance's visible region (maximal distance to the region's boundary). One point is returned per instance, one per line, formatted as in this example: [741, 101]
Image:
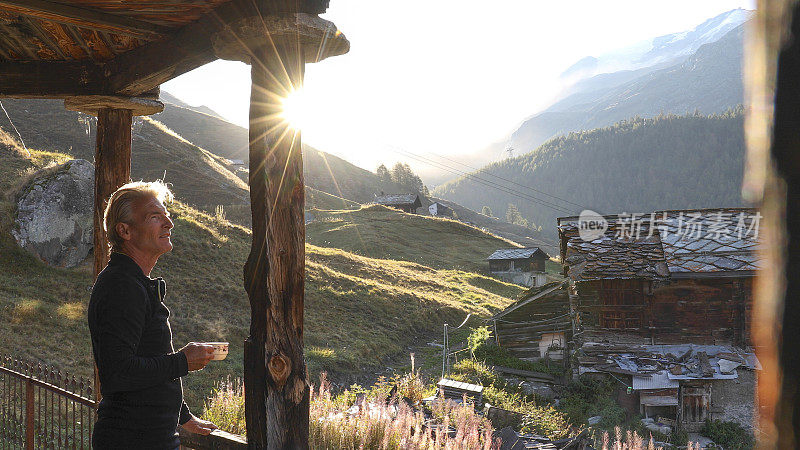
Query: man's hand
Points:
[199, 426]
[197, 355]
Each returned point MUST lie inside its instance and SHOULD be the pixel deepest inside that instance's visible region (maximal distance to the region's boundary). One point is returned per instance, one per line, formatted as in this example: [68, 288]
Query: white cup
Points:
[220, 350]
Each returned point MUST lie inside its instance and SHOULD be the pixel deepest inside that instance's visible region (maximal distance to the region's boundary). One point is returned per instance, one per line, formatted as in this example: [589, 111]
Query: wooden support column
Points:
[276, 389]
[112, 154]
[112, 169]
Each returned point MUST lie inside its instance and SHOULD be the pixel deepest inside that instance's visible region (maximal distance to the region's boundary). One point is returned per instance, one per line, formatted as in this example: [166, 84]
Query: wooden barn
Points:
[525, 266]
[404, 202]
[686, 278]
[538, 325]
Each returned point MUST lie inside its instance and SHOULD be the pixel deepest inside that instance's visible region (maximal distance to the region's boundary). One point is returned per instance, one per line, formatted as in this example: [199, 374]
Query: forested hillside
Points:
[638, 165]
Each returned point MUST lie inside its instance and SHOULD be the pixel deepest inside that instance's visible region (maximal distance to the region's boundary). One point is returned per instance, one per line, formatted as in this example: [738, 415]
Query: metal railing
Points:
[44, 408]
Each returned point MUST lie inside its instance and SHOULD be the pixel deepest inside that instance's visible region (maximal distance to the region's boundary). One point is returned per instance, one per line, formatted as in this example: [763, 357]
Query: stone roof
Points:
[397, 199]
[664, 244]
[515, 253]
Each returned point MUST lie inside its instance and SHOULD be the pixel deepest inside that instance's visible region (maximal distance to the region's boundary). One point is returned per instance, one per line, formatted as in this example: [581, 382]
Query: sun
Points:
[295, 109]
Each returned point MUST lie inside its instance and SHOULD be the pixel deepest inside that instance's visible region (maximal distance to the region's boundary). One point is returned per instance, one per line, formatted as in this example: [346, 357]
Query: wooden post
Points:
[276, 390]
[112, 169]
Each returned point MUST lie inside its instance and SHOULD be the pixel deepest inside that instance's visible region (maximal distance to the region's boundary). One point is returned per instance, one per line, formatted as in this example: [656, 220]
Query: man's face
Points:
[150, 231]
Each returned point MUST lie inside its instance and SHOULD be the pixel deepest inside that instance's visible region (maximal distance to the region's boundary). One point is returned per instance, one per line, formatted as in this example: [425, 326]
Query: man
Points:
[139, 370]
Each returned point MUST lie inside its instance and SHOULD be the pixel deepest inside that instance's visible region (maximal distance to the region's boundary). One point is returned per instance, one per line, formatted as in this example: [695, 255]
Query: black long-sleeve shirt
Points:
[138, 367]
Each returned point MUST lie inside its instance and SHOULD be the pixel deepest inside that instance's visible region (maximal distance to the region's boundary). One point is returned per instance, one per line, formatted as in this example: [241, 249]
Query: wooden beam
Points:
[277, 393]
[45, 37]
[45, 79]
[84, 17]
[147, 67]
[139, 70]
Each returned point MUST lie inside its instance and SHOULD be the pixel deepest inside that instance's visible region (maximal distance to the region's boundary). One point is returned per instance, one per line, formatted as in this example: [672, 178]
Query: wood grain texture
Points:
[276, 390]
[112, 169]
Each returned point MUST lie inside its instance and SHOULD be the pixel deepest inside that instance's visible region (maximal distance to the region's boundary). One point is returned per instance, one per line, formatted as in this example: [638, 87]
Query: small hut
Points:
[538, 325]
[404, 202]
[525, 266]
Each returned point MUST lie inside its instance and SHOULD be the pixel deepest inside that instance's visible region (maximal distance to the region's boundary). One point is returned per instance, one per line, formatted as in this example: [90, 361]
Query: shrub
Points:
[493, 355]
[729, 435]
[225, 407]
[477, 338]
[475, 372]
[586, 397]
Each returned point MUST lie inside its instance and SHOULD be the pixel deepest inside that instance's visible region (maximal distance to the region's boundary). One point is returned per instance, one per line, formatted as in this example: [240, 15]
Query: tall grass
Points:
[350, 421]
[630, 440]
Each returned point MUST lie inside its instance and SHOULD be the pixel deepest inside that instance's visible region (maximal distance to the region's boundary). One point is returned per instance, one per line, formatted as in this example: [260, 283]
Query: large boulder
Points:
[54, 213]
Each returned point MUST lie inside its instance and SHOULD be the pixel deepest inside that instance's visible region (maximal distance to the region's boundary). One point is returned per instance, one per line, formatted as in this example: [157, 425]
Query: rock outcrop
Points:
[54, 213]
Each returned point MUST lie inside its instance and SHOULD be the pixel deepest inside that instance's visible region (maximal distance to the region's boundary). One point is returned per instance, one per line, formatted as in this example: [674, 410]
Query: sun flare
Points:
[295, 109]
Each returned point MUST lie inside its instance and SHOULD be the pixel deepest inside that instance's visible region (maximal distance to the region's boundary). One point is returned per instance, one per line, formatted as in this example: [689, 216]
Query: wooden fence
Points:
[44, 408]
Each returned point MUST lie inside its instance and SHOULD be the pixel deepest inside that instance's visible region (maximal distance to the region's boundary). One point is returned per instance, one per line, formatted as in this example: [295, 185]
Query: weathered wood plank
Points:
[149, 66]
[217, 440]
[525, 373]
[39, 79]
[84, 17]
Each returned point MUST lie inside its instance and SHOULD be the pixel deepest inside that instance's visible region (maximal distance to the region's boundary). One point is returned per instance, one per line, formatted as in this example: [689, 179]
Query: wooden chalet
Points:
[108, 58]
[538, 325]
[525, 266]
[672, 284]
[663, 301]
[404, 202]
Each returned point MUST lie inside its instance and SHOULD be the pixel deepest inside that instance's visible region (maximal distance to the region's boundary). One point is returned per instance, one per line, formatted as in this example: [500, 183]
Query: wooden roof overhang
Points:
[60, 49]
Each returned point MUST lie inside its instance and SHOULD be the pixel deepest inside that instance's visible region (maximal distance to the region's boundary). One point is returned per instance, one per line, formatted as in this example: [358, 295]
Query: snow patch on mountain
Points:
[658, 50]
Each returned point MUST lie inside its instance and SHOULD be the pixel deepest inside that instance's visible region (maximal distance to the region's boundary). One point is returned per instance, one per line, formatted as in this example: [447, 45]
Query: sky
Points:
[445, 77]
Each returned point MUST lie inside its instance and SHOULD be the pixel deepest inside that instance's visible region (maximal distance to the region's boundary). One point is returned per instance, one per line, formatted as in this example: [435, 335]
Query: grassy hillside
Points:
[380, 232]
[198, 176]
[639, 165]
[362, 313]
[193, 146]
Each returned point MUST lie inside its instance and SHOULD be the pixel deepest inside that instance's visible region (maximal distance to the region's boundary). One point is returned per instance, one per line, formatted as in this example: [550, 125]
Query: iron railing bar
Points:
[51, 387]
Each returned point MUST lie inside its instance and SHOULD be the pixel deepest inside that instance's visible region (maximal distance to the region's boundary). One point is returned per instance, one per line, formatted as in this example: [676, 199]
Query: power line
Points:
[487, 183]
[513, 182]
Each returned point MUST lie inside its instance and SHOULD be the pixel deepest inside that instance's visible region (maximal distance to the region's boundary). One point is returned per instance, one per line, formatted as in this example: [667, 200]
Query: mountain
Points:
[204, 128]
[193, 147]
[637, 165]
[708, 81]
[168, 98]
[198, 177]
[698, 69]
[659, 50]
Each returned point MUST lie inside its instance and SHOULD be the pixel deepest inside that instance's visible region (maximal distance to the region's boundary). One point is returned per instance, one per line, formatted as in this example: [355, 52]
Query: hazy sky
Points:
[445, 76]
